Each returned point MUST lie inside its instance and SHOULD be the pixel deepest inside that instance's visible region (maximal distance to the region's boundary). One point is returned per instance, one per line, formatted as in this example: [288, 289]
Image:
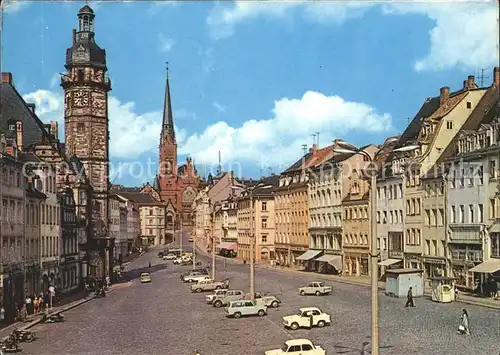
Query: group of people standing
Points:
[32, 305]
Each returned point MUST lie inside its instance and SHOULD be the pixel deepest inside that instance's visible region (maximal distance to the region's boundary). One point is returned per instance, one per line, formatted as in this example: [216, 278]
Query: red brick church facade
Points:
[175, 183]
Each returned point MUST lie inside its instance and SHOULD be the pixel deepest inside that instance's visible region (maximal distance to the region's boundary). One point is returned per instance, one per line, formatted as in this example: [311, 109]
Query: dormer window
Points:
[11, 125]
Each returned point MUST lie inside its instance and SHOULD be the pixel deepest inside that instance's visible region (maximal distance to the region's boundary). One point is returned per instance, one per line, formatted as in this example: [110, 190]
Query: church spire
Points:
[168, 118]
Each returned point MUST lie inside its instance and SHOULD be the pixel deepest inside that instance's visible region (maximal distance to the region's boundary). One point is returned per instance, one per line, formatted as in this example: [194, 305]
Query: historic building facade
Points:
[69, 265]
[177, 184]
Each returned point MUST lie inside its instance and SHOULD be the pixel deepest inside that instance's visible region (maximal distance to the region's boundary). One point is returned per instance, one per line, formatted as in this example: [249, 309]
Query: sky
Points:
[253, 79]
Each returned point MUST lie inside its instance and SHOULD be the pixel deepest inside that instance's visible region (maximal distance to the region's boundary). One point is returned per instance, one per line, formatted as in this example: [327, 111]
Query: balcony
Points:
[468, 255]
[466, 233]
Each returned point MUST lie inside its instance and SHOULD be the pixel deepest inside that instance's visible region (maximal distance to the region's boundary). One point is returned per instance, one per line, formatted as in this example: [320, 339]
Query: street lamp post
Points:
[252, 251]
[346, 148]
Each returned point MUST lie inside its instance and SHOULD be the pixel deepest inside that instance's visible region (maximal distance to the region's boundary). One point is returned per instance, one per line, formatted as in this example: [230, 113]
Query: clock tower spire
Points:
[86, 88]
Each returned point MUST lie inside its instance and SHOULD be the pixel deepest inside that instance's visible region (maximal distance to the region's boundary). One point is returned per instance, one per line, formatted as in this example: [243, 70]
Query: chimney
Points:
[31, 107]
[54, 129]
[470, 82]
[6, 78]
[74, 36]
[496, 76]
[444, 94]
[19, 135]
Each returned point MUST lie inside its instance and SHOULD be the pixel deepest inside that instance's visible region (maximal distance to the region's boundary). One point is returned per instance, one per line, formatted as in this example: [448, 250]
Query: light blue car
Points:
[240, 308]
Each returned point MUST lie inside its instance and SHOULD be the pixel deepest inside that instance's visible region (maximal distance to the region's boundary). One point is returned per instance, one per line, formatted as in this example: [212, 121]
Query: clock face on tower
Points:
[81, 99]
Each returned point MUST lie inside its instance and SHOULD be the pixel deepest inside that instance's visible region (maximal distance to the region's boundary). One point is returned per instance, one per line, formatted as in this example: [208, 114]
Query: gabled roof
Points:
[13, 107]
[139, 197]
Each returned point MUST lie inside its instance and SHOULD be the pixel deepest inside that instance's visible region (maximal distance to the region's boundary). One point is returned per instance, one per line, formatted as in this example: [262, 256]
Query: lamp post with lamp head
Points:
[347, 148]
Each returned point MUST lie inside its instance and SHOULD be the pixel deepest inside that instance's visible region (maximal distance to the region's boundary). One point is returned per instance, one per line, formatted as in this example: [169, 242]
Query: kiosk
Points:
[443, 289]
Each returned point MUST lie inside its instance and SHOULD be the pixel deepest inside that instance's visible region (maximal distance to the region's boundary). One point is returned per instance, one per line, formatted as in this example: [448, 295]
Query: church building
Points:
[176, 184]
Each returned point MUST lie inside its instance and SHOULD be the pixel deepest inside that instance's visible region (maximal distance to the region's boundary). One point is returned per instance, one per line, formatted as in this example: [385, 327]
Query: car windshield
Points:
[284, 348]
[321, 284]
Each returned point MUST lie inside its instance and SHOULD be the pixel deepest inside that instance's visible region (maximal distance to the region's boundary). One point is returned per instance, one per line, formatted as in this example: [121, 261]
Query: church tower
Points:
[86, 88]
[168, 152]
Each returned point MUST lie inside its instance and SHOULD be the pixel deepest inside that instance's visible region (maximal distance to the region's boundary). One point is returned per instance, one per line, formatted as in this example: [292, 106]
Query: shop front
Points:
[356, 262]
[434, 267]
[413, 261]
[307, 260]
[330, 263]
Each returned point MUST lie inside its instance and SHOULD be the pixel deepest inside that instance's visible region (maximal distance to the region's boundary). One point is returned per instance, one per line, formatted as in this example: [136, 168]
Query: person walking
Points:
[463, 328]
[409, 298]
[150, 264]
[36, 305]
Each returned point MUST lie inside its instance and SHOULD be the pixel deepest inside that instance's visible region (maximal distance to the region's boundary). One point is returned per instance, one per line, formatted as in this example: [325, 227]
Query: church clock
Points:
[81, 98]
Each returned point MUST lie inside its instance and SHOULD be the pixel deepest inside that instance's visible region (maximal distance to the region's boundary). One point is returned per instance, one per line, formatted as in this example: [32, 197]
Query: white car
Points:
[303, 319]
[169, 256]
[298, 347]
[217, 293]
[197, 278]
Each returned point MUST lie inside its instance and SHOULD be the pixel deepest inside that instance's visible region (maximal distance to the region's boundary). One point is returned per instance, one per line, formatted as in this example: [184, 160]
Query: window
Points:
[264, 222]
[492, 169]
[427, 217]
[453, 214]
[471, 213]
[492, 209]
[480, 174]
[264, 238]
[150, 211]
[471, 176]
[462, 214]
[264, 206]
[469, 104]
[480, 213]
[441, 217]
[449, 124]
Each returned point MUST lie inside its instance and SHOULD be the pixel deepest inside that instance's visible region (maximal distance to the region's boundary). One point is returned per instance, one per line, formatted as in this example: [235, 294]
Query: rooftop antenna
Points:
[219, 167]
[408, 119]
[317, 139]
[304, 148]
[482, 77]
[314, 138]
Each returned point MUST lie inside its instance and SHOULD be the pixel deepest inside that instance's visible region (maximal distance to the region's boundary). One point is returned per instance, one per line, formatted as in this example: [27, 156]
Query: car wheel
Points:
[261, 313]
[318, 293]
[217, 288]
[199, 290]
[294, 326]
[218, 304]
[275, 304]
[237, 315]
[321, 324]
[302, 293]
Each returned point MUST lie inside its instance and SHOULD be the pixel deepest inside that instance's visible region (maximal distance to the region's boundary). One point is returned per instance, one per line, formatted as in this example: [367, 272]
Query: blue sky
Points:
[253, 79]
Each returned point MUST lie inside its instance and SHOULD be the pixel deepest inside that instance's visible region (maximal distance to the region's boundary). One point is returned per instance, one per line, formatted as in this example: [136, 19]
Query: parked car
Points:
[209, 285]
[303, 319]
[202, 271]
[237, 309]
[316, 288]
[299, 347]
[267, 300]
[169, 256]
[146, 277]
[217, 293]
[196, 278]
[231, 295]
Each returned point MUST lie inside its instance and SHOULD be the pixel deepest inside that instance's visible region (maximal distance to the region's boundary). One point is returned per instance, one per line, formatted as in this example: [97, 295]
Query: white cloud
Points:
[164, 44]
[223, 19]
[277, 140]
[218, 106]
[131, 133]
[12, 6]
[464, 35]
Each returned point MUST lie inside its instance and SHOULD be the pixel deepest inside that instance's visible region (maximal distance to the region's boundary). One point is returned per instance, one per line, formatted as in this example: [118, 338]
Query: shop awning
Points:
[333, 260]
[308, 255]
[388, 262]
[227, 246]
[488, 267]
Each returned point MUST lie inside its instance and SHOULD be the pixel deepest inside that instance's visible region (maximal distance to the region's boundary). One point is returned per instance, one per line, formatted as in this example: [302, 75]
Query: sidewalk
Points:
[360, 281]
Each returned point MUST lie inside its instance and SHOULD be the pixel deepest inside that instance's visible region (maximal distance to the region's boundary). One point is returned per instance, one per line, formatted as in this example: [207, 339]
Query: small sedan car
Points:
[145, 277]
[169, 256]
[237, 309]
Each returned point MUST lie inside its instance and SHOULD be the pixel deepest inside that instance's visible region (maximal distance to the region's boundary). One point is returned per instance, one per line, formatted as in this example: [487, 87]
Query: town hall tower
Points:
[86, 88]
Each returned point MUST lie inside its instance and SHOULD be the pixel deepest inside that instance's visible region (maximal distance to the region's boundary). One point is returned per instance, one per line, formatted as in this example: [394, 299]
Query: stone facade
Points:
[177, 184]
[70, 268]
[86, 124]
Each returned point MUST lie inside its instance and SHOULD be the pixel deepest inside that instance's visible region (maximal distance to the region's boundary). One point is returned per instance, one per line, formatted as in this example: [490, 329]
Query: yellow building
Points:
[256, 219]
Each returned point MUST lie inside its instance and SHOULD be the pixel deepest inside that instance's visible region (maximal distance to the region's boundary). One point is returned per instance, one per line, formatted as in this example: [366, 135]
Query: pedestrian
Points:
[29, 305]
[409, 297]
[41, 304]
[463, 328]
[36, 305]
[456, 293]
[150, 264]
[311, 320]
[24, 313]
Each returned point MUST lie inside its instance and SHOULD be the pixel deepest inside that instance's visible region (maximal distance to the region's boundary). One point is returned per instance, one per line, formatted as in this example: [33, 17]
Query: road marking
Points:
[280, 327]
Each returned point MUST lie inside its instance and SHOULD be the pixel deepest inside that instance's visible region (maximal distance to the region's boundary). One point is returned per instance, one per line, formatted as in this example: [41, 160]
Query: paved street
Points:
[166, 318]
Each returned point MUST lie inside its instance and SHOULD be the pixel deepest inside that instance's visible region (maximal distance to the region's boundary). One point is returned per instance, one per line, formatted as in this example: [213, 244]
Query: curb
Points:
[319, 276]
[67, 308]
